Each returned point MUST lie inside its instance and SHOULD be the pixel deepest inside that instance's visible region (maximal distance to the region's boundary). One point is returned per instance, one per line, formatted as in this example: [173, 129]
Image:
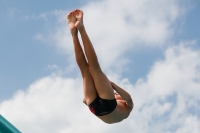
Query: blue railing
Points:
[7, 127]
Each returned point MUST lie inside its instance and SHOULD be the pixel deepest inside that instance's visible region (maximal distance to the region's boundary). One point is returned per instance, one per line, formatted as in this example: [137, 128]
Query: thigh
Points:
[89, 89]
[102, 84]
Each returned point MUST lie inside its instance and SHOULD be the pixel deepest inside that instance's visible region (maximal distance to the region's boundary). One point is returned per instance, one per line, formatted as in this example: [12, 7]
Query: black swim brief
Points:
[101, 106]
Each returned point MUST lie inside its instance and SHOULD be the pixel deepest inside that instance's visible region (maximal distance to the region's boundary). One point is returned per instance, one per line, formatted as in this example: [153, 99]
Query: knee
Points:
[84, 101]
[88, 101]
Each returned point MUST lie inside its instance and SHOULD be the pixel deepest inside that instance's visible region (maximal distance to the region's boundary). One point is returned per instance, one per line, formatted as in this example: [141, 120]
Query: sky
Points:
[151, 48]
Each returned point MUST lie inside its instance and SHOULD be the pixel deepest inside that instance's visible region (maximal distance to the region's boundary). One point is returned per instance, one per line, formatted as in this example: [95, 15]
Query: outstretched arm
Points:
[125, 95]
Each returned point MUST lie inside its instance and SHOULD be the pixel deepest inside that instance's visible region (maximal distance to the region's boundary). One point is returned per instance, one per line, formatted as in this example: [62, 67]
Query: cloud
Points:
[51, 104]
[118, 27]
[47, 100]
[166, 100]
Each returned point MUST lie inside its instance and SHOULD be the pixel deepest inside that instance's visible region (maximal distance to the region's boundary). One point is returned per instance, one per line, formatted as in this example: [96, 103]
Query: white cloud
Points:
[170, 91]
[51, 104]
[117, 27]
[162, 101]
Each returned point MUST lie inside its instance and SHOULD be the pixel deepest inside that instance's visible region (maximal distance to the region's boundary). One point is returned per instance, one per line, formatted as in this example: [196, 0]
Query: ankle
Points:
[81, 29]
[74, 32]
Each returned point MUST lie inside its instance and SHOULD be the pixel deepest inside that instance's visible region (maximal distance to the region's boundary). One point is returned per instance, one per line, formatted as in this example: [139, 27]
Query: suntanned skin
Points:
[95, 82]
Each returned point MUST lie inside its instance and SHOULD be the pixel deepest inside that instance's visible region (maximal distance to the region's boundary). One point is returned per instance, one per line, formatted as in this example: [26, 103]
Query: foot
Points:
[71, 19]
[79, 19]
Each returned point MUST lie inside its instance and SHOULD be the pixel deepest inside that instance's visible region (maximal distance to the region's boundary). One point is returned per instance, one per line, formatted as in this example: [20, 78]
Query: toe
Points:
[76, 10]
[69, 14]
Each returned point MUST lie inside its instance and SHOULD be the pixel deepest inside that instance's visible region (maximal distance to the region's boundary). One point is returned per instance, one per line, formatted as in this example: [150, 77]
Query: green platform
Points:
[7, 127]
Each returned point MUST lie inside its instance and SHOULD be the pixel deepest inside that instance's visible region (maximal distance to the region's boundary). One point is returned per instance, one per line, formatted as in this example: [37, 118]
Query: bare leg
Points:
[102, 84]
[88, 84]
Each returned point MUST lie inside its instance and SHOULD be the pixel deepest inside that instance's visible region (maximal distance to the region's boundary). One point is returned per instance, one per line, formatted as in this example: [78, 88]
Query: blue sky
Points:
[22, 58]
[142, 45]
